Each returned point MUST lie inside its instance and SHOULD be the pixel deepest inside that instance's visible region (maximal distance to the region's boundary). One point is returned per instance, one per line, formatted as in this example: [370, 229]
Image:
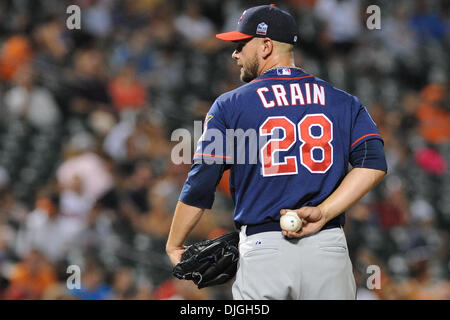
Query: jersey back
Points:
[286, 137]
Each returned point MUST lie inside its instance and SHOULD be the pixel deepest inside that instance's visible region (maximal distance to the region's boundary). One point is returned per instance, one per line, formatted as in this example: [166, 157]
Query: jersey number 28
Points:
[310, 142]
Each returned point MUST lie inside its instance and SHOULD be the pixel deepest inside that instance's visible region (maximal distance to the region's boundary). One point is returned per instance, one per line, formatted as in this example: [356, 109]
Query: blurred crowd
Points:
[86, 177]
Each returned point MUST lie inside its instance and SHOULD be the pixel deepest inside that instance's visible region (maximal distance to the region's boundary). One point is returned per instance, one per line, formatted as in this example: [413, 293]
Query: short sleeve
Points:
[212, 146]
[363, 127]
[200, 187]
[210, 161]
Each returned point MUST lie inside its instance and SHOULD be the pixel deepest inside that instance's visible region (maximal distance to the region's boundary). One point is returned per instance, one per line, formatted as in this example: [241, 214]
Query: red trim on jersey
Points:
[309, 76]
[211, 155]
[365, 136]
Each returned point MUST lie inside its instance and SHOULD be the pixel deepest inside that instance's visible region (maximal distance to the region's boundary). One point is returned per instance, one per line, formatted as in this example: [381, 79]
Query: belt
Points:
[275, 226]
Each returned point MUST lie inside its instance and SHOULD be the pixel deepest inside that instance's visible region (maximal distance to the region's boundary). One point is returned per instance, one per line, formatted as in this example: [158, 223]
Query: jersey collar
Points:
[282, 72]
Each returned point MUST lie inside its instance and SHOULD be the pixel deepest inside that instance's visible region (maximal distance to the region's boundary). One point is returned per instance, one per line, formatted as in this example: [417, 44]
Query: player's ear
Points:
[266, 47]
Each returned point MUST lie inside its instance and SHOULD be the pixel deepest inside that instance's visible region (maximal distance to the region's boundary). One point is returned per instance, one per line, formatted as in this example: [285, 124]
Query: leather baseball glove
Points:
[210, 262]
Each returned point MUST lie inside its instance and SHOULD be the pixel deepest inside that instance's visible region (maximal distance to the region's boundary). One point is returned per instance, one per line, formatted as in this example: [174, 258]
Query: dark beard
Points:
[251, 72]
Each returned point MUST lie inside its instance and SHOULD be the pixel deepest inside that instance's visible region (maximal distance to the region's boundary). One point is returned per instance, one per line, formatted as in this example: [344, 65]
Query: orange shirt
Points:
[434, 124]
[15, 52]
[36, 283]
[127, 95]
[434, 121]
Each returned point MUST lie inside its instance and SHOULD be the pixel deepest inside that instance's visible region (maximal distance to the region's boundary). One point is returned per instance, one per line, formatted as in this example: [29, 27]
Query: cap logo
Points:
[261, 29]
[242, 16]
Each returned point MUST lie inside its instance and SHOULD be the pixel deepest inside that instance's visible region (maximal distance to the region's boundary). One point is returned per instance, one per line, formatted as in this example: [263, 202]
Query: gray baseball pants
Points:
[277, 268]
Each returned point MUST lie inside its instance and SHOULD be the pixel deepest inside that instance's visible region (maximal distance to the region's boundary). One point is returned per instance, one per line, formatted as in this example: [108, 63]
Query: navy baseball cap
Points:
[264, 21]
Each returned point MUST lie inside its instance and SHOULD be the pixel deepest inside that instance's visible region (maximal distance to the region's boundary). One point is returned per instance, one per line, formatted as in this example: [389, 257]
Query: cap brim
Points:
[233, 36]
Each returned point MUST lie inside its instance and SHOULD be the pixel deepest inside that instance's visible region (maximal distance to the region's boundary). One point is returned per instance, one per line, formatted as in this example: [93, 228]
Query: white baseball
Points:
[291, 221]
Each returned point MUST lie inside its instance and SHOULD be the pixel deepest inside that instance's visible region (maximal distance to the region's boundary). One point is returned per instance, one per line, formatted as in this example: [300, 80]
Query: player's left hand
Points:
[175, 254]
[312, 221]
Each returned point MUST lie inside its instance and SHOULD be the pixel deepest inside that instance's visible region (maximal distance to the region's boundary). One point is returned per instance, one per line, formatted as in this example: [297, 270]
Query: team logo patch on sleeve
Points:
[205, 126]
[261, 29]
[208, 118]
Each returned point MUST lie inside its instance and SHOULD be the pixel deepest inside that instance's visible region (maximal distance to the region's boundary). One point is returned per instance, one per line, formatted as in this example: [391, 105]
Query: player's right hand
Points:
[312, 221]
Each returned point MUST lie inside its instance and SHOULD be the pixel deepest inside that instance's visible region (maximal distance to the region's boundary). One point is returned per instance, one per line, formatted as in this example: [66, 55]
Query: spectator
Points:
[135, 51]
[426, 24]
[67, 136]
[90, 169]
[93, 285]
[44, 230]
[31, 277]
[88, 83]
[396, 33]
[97, 18]
[432, 114]
[192, 25]
[127, 92]
[15, 52]
[124, 286]
[34, 103]
[341, 20]
[75, 208]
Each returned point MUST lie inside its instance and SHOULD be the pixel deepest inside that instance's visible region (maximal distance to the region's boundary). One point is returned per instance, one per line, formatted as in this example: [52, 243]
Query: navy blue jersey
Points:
[286, 137]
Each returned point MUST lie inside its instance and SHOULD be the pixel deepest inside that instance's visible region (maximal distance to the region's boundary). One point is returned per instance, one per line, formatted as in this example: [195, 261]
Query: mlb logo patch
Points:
[284, 72]
[261, 29]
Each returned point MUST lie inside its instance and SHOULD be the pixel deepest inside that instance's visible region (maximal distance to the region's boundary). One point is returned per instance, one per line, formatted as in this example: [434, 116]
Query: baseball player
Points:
[307, 134]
